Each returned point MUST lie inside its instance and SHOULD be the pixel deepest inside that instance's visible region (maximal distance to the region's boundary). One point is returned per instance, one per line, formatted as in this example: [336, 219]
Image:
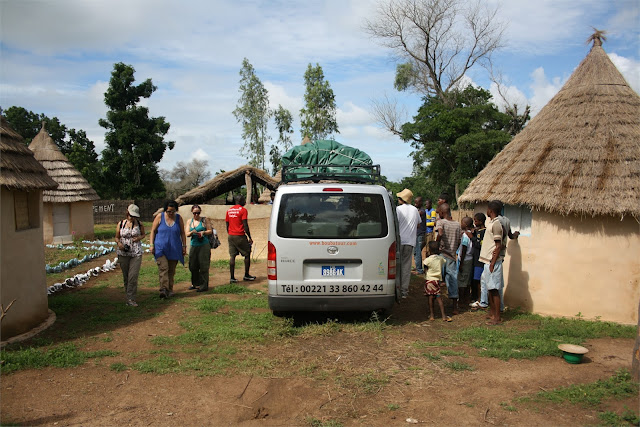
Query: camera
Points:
[127, 248]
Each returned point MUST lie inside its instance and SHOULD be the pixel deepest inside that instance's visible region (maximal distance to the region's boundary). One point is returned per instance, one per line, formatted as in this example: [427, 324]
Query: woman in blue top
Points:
[200, 252]
[168, 245]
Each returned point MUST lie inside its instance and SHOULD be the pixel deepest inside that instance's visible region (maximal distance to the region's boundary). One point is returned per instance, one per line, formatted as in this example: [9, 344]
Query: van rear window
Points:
[332, 216]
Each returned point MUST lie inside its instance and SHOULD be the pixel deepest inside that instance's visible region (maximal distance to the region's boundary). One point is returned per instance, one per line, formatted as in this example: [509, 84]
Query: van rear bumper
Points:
[331, 303]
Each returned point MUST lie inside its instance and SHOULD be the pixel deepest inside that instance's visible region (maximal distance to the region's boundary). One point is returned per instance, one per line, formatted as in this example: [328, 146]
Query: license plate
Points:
[333, 271]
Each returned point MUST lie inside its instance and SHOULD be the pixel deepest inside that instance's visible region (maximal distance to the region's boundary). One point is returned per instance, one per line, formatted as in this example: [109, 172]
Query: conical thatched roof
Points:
[72, 187]
[19, 170]
[579, 155]
[226, 182]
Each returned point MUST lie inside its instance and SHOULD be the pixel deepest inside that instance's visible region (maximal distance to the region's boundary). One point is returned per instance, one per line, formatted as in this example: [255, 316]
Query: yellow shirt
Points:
[433, 266]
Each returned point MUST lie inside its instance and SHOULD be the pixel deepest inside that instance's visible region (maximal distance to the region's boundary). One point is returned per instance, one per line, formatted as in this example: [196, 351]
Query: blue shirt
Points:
[168, 240]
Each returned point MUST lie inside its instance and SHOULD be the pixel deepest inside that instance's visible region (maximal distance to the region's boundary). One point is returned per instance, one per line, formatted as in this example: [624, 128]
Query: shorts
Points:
[477, 272]
[432, 287]
[464, 275]
[239, 245]
[493, 281]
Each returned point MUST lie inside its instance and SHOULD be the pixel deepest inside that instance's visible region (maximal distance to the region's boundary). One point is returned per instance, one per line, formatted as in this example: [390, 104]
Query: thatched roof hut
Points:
[19, 170]
[571, 184]
[23, 280]
[227, 181]
[579, 155]
[72, 186]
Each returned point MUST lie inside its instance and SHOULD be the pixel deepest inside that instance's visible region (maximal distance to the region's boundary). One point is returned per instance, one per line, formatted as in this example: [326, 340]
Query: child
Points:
[433, 271]
[465, 260]
[476, 239]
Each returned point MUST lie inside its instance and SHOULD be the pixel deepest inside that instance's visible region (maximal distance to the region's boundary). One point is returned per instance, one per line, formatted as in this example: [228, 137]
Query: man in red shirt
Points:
[239, 238]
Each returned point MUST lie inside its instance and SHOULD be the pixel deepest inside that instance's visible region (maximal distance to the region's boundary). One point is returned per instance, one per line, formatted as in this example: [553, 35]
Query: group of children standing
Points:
[456, 260]
[469, 268]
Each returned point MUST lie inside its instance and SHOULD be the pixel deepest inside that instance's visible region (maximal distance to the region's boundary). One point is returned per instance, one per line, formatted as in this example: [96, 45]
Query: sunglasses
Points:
[197, 213]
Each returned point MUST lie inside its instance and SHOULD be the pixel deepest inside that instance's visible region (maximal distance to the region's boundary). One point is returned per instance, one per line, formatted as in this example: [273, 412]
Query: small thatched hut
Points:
[68, 210]
[227, 181]
[23, 290]
[571, 183]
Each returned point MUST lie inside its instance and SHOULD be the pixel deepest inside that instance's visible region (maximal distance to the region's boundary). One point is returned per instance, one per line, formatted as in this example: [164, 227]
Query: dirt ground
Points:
[418, 389]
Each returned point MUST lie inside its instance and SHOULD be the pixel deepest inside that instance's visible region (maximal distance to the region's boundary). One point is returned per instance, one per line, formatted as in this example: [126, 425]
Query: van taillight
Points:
[272, 273]
[391, 269]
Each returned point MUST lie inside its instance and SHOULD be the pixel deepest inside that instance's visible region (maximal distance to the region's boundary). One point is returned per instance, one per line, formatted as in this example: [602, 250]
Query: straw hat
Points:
[134, 210]
[406, 195]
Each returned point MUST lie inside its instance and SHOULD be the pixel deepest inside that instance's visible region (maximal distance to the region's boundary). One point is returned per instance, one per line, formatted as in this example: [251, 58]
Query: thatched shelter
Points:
[68, 210]
[23, 279]
[571, 181]
[227, 181]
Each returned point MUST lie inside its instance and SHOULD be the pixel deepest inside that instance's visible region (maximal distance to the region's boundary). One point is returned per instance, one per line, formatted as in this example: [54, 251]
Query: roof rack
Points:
[316, 173]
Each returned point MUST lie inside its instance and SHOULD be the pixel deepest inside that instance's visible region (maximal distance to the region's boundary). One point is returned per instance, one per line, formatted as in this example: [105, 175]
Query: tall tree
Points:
[185, 176]
[284, 124]
[453, 141]
[134, 141]
[439, 40]
[318, 117]
[253, 113]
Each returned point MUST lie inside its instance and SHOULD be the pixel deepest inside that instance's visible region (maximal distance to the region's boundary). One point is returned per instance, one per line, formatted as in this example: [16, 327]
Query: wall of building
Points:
[81, 219]
[258, 225]
[22, 274]
[570, 265]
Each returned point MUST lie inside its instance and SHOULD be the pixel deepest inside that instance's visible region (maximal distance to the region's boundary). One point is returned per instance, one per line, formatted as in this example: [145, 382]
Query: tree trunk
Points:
[635, 363]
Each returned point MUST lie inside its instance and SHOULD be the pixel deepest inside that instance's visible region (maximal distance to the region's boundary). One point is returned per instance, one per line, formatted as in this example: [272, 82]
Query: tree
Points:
[84, 158]
[185, 176]
[284, 124]
[28, 124]
[79, 149]
[318, 117]
[438, 40]
[453, 141]
[252, 112]
[134, 141]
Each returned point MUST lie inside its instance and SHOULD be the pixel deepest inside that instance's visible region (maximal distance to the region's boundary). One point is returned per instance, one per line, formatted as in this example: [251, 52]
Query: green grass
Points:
[314, 422]
[529, 336]
[62, 356]
[459, 366]
[627, 418]
[619, 386]
[231, 288]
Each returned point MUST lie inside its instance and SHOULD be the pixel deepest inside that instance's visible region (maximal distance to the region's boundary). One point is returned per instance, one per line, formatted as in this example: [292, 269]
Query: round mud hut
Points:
[570, 182]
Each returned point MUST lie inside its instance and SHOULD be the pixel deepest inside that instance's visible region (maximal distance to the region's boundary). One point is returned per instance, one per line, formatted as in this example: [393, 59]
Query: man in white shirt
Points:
[408, 220]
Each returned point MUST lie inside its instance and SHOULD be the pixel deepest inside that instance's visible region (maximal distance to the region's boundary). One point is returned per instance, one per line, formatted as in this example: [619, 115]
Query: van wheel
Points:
[280, 313]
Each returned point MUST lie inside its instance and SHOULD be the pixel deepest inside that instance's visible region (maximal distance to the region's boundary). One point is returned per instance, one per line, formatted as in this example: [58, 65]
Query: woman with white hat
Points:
[129, 234]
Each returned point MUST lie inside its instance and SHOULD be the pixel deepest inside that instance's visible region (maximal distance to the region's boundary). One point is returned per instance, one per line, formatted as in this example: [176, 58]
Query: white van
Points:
[332, 246]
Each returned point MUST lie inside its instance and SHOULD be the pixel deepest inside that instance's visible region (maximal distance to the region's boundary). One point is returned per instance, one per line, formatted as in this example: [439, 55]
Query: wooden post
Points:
[247, 181]
[635, 362]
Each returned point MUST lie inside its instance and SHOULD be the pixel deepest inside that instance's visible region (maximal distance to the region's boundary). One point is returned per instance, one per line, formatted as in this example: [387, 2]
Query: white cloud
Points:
[200, 154]
[629, 68]
[352, 115]
[543, 89]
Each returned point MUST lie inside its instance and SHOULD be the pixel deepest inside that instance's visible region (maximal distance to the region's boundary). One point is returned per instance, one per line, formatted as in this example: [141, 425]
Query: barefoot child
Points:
[433, 270]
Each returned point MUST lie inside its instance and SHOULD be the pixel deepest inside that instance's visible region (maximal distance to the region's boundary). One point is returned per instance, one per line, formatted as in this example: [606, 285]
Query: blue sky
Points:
[56, 58]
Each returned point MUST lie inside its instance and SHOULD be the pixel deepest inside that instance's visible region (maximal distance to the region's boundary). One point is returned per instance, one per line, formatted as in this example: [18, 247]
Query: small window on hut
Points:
[26, 209]
[520, 217]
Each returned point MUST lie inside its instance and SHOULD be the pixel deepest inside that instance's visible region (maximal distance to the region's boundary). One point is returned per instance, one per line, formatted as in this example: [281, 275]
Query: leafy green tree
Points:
[134, 141]
[453, 141]
[253, 113]
[284, 124]
[84, 158]
[28, 124]
[318, 117]
[78, 148]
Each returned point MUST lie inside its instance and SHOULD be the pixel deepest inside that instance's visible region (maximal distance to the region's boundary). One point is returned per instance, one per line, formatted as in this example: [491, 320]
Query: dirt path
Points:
[415, 388]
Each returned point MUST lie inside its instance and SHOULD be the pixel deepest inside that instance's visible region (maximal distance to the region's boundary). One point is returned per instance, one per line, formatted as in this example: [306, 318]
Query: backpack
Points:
[214, 242]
